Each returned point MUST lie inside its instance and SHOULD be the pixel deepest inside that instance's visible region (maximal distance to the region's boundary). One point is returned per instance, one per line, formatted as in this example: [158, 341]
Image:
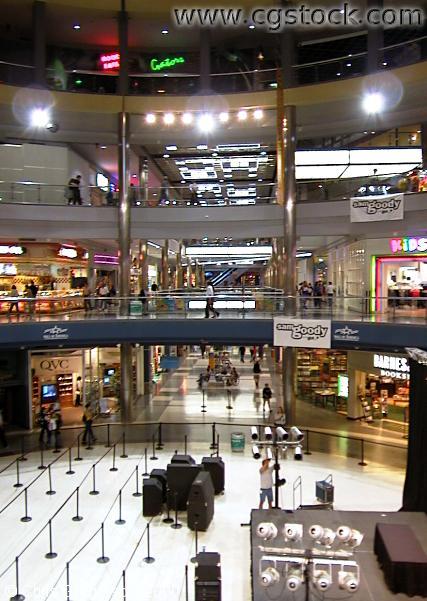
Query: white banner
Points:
[386, 207]
[305, 333]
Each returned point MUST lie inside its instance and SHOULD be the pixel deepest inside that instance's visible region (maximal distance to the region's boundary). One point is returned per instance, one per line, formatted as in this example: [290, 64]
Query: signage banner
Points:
[304, 333]
[388, 207]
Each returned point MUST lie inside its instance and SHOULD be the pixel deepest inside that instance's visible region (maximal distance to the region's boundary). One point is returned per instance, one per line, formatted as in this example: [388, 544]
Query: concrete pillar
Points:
[126, 386]
[39, 42]
[147, 368]
[205, 60]
[143, 263]
[91, 271]
[288, 52]
[122, 17]
[375, 41]
[143, 180]
[165, 266]
[179, 270]
[424, 143]
[124, 213]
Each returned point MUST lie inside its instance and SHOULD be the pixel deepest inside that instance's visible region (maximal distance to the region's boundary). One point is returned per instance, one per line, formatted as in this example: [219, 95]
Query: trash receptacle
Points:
[135, 307]
[237, 442]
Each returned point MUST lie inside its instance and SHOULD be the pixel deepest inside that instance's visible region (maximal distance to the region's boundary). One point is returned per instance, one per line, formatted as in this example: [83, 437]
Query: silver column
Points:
[123, 20]
[91, 271]
[39, 42]
[126, 387]
[124, 213]
[289, 258]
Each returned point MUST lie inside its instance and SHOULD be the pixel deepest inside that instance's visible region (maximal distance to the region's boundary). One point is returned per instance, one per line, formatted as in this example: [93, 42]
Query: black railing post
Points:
[186, 583]
[145, 474]
[137, 493]
[18, 596]
[51, 554]
[103, 558]
[154, 458]
[50, 491]
[167, 519]
[185, 444]
[120, 520]
[94, 491]
[67, 572]
[124, 585]
[307, 442]
[159, 437]
[70, 470]
[26, 517]
[213, 444]
[114, 468]
[362, 453]
[22, 457]
[148, 559]
[176, 525]
[196, 543]
[77, 517]
[18, 483]
[108, 436]
[123, 455]
[79, 457]
[42, 465]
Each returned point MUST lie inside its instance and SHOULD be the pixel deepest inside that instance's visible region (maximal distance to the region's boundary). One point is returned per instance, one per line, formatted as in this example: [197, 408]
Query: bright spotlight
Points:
[206, 123]
[187, 118]
[269, 454]
[269, 577]
[150, 118]
[298, 453]
[373, 103]
[254, 433]
[255, 449]
[293, 532]
[296, 434]
[258, 114]
[348, 581]
[322, 579]
[268, 433]
[40, 117]
[266, 530]
[281, 433]
[242, 115]
[223, 117]
[168, 118]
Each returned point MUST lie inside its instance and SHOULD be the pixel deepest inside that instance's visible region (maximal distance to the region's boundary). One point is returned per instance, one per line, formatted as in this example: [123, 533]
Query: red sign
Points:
[110, 62]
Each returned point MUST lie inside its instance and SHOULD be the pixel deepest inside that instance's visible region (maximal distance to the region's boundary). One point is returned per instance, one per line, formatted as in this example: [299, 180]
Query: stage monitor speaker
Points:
[180, 478]
[200, 507]
[161, 476]
[152, 495]
[187, 459]
[215, 466]
[207, 577]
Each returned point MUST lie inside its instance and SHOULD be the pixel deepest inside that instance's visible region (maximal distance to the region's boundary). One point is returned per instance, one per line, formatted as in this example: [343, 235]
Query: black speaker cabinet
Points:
[152, 495]
[180, 478]
[200, 507]
[160, 475]
[207, 577]
[187, 459]
[215, 466]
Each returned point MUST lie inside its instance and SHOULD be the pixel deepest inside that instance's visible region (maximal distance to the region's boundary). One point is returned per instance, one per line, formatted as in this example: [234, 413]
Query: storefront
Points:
[399, 280]
[319, 377]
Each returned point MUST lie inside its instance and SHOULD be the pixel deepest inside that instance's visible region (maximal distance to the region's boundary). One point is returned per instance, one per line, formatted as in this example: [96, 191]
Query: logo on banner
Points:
[347, 334]
[55, 333]
[377, 208]
[302, 333]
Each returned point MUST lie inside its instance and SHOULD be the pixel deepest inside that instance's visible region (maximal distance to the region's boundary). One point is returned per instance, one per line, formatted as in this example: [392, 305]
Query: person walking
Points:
[14, 301]
[266, 397]
[317, 294]
[257, 372]
[2, 432]
[330, 293]
[74, 190]
[44, 426]
[266, 483]
[143, 299]
[88, 417]
[78, 399]
[261, 352]
[33, 294]
[242, 351]
[86, 298]
[210, 294]
[253, 353]
[203, 349]
[54, 427]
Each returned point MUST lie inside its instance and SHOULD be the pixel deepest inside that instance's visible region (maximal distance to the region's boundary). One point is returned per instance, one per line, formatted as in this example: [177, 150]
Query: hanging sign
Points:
[408, 245]
[305, 333]
[110, 62]
[376, 208]
[157, 64]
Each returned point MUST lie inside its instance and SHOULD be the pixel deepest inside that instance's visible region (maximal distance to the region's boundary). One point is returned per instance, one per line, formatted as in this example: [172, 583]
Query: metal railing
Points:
[229, 303]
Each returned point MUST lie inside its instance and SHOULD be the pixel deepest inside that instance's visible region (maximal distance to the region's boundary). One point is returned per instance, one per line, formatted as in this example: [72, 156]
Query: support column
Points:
[147, 368]
[205, 60]
[124, 213]
[289, 259]
[288, 52]
[91, 271]
[39, 42]
[123, 89]
[279, 263]
[165, 265]
[143, 263]
[143, 180]
[375, 41]
[126, 387]
[179, 271]
[424, 144]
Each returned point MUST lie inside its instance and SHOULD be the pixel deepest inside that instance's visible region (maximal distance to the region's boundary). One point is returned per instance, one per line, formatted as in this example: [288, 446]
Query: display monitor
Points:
[49, 392]
[342, 386]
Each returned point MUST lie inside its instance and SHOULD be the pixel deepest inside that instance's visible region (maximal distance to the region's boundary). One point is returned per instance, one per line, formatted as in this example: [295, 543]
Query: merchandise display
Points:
[317, 376]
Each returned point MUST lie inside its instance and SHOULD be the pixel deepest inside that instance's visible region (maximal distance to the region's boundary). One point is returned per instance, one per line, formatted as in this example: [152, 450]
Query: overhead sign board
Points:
[158, 64]
[302, 333]
[376, 208]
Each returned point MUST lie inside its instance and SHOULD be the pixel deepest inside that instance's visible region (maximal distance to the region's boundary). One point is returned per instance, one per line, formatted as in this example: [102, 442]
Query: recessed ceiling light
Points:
[103, 147]
[260, 179]
[214, 154]
[223, 117]
[76, 26]
[201, 147]
[263, 153]
[348, 65]
[150, 118]
[165, 31]
[242, 115]
[183, 181]
[166, 156]
[160, 91]
[338, 74]
[258, 114]
[251, 26]
[187, 118]
[168, 118]
[385, 64]
[172, 147]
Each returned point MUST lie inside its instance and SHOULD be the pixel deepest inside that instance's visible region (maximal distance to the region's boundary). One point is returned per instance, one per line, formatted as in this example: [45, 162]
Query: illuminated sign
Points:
[408, 245]
[67, 253]
[393, 367]
[8, 269]
[342, 387]
[166, 63]
[110, 62]
[12, 250]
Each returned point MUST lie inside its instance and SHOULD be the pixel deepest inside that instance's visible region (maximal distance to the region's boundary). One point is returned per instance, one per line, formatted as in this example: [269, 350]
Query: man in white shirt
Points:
[210, 293]
[266, 477]
[330, 293]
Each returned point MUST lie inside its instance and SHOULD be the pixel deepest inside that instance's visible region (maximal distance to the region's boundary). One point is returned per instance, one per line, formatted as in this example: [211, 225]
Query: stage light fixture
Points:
[242, 115]
[315, 531]
[224, 117]
[269, 453]
[356, 539]
[268, 433]
[294, 579]
[187, 118]
[255, 450]
[281, 433]
[150, 118]
[269, 577]
[349, 581]
[40, 117]
[296, 434]
[327, 538]
[266, 530]
[298, 453]
[258, 114]
[344, 534]
[168, 118]
[206, 123]
[373, 103]
[254, 433]
[322, 579]
[293, 532]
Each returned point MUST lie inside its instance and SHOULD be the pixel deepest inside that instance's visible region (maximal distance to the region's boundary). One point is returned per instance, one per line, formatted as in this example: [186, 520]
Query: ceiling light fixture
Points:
[206, 123]
[172, 147]
[76, 26]
[201, 147]
[258, 114]
[373, 103]
[150, 118]
[223, 117]
[168, 118]
[165, 31]
[40, 117]
[166, 156]
[242, 115]
[187, 118]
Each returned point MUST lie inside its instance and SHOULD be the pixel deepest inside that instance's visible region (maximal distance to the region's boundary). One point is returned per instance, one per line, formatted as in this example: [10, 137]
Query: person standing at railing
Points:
[317, 294]
[14, 302]
[242, 351]
[33, 292]
[74, 190]
[210, 294]
[88, 417]
[86, 298]
[330, 291]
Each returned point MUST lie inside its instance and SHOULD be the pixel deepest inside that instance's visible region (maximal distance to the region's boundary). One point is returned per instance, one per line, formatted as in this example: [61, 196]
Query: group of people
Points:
[30, 292]
[318, 292]
[253, 352]
[105, 291]
[50, 422]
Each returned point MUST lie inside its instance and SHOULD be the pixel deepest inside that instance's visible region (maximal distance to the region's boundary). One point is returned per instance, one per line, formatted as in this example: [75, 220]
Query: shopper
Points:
[78, 399]
[266, 483]
[74, 190]
[261, 352]
[2, 432]
[242, 351]
[143, 299]
[330, 293]
[257, 373]
[44, 426]
[305, 294]
[317, 294]
[54, 427]
[88, 417]
[203, 349]
[14, 301]
[33, 294]
[253, 353]
[103, 292]
[210, 294]
[86, 298]
[266, 397]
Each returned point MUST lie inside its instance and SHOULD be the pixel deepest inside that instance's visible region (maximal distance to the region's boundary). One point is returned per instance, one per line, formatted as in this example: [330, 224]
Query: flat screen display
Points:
[49, 392]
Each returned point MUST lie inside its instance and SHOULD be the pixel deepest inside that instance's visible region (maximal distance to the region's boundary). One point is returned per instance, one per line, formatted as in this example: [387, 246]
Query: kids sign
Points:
[157, 64]
[408, 245]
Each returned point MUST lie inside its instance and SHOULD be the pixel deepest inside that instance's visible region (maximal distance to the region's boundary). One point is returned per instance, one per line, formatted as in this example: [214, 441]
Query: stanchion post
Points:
[124, 584]
[22, 457]
[307, 442]
[145, 474]
[42, 465]
[56, 436]
[213, 444]
[70, 470]
[196, 543]
[108, 436]
[217, 445]
[148, 559]
[18, 596]
[203, 410]
[120, 520]
[67, 576]
[94, 491]
[154, 458]
[103, 558]
[176, 525]
[51, 554]
[186, 583]
[123, 455]
[77, 517]
[18, 483]
[50, 491]
[362, 453]
[167, 519]
[114, 468]
[26, 517]
[159, 438]
[185, 444]
[137, 493]
[79, 457]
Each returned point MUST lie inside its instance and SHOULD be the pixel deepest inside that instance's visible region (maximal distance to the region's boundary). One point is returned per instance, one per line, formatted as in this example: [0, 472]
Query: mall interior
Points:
[190, 215]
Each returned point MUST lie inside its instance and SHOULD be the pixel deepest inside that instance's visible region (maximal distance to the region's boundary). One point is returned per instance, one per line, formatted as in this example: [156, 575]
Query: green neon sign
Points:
[166, 63]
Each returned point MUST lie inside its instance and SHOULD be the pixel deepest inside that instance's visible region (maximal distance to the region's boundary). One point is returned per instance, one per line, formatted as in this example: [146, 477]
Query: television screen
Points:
[49, 392]
[110, 371]
[342, 386]
[106, 379]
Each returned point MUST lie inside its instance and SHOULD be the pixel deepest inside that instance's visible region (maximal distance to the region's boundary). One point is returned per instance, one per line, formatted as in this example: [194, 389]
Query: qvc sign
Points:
[408, 245]
[54, 364]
